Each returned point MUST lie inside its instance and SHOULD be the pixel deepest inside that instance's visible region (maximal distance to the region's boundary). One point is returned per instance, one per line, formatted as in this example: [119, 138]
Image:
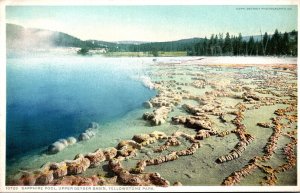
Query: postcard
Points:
[146, 96]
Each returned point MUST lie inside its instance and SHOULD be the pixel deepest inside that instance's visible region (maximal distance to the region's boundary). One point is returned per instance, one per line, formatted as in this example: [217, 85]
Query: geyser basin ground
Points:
[233, 97]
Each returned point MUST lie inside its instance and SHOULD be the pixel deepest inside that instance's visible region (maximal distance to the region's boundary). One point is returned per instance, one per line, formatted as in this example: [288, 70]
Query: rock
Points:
[56, 147]
[110, 153]
[63, 141]
[165, 158]
[59, 173]
[179, 119]
[238, 149]
[27, 179]
[127, 148]
[94, 125]
[158, 135]
[141, 138]
[158, 116]
[78, 165]
[60, 144]
[141, 179]
[199, 83]
[202, 134]
[59, 169]
[224, 133]
[90, 133]
[189, 151]
[177, 183]
[195, 122]
[44, 178]
[71, 140]
[188, 175]
[172, 141]
[248, 96]
[126, 152]
[144, 139]
[83, 137]
[147, 105]
[148, 153]
[96, 157]
[148, 116]
[222, 117]
[188, 137]
[236, 176]
[279, 112]
[191, 109]
[129, 143]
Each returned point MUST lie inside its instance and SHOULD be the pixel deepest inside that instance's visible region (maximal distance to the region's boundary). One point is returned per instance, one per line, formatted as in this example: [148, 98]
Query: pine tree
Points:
[251, 46]
[239, 44]
[205, 47]
[293, 43]
[265, 42]
[284, 44]
[227, 45]
[221, 42]
[211, 45]
[274, 43]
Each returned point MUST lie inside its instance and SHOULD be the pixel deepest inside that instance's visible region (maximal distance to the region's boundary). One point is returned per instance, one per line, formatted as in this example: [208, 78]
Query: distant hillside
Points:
[179, 45]
[130, 42]
[18, 37]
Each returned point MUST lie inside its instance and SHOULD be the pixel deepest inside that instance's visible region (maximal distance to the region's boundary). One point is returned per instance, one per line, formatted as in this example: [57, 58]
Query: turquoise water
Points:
[50, 97]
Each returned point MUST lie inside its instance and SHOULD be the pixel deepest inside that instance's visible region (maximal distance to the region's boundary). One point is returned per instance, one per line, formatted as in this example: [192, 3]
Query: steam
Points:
[27, 39]
[146, 81]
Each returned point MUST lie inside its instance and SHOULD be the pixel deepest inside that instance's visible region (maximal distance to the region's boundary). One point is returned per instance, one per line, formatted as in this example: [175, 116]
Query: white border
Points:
[4, 3]
[151, 189]
[150, 2]
[2, 95]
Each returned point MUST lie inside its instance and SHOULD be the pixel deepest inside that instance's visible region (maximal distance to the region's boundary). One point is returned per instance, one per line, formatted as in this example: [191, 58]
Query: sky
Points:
[155, 22]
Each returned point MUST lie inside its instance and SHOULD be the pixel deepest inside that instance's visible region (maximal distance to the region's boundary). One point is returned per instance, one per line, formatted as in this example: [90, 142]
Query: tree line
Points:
[277, 44]
[153, 47]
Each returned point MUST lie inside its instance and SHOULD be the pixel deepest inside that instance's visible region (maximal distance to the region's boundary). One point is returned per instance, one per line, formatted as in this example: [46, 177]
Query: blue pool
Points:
[55, 97]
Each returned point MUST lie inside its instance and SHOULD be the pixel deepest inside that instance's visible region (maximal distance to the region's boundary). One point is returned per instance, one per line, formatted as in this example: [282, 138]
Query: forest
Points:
[277, 44]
